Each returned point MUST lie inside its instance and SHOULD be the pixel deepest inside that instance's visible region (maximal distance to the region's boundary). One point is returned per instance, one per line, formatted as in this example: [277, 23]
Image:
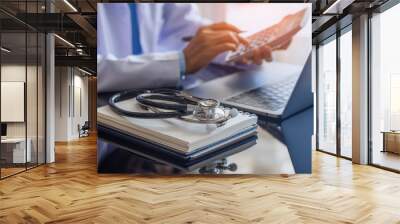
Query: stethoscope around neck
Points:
[169, 103]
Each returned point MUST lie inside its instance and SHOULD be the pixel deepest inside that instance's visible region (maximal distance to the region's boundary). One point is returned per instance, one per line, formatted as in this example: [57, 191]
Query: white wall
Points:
[15, 72]
[70, 84]
[61, 104]
[80, 100]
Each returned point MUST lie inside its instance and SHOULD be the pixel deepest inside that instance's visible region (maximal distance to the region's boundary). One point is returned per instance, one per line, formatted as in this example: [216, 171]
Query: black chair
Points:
[84, 130]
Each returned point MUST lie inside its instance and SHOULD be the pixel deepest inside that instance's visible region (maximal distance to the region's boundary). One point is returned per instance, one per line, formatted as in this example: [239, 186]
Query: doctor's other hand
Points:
[209, 42]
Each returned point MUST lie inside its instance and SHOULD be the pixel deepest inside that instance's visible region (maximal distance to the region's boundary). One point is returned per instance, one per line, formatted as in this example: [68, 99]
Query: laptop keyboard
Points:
[269, 97]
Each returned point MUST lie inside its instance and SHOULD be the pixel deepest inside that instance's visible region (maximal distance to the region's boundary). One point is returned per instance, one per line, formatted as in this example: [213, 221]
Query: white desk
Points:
[18, 151]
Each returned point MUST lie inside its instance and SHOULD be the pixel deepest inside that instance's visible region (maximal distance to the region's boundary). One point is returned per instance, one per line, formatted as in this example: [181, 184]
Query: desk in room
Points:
[391, 141]
[13, 150]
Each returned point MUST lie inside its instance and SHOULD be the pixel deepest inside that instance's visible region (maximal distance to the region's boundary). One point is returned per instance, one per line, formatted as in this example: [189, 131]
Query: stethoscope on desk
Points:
[169, 103]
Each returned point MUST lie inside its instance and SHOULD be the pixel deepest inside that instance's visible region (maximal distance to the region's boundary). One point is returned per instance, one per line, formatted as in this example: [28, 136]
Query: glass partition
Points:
[335, 94]
[13, 94]
[327, 96]
[22, 91]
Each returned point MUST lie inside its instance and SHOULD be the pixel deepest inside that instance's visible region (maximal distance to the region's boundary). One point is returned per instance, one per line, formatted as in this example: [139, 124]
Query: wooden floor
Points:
[11, 170]
[387, 159]
[70, 191]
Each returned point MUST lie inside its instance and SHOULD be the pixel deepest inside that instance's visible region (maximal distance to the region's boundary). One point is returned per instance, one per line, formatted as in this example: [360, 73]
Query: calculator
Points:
[272, 36]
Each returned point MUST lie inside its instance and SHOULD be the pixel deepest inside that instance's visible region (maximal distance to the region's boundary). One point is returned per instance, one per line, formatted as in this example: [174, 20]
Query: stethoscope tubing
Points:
[178, 105]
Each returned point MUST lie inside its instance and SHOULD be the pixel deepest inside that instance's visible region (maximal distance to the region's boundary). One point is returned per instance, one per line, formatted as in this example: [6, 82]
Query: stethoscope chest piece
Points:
[209, 111]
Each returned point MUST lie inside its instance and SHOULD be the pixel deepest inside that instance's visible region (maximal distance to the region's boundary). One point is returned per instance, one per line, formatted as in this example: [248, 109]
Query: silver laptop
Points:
[276, 90]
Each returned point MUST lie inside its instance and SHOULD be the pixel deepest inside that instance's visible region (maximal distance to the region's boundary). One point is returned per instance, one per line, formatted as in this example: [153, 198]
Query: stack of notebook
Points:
[184, 145]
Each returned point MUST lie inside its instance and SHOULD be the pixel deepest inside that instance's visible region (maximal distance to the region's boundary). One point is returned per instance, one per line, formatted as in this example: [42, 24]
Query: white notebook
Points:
[174, 133]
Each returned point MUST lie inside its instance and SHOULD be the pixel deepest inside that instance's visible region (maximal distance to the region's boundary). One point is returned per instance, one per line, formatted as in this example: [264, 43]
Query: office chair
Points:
[84, 130]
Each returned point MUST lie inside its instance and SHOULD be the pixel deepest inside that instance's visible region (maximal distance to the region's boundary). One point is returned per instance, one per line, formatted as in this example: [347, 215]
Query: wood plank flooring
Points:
[70, 191]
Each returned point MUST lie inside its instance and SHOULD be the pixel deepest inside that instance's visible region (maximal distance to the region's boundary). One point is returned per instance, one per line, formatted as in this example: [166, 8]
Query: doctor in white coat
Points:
[141, 45]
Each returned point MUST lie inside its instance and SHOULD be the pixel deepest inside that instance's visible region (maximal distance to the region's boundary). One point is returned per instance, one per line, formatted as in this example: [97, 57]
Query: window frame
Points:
[334, 37]
[381, 9]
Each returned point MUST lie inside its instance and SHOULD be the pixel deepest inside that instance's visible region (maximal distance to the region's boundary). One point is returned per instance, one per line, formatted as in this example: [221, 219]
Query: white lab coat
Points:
[161, 29]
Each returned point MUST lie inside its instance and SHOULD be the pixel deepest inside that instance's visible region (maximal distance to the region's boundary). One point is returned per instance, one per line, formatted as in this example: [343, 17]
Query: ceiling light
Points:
[84, 71]
[5, 50]
[337, 7]
[65, 41]
[79, 51]
[70, 5]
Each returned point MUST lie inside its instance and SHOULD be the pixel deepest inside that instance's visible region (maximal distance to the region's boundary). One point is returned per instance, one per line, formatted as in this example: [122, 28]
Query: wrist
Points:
[188, 61]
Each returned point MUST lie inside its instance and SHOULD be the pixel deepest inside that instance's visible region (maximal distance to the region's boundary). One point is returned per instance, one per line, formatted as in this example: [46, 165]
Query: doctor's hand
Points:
[209, 42]
[257, 56]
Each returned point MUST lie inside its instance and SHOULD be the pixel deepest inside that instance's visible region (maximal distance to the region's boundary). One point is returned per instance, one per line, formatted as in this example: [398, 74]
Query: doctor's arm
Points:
[165, 69]
[138, 71]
